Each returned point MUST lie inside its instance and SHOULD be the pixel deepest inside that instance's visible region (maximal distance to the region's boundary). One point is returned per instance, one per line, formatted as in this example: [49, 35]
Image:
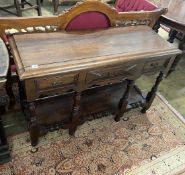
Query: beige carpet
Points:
[146, 144]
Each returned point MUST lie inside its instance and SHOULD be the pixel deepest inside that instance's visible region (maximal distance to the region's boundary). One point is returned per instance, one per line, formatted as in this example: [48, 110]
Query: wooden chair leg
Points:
[33, 125]
[18, 9]
[75, 114]
[151, 95]
[156, 27]
[55, 6]
[22, 3]
[9, 90]
[122, 106]
[172, 35]
[39, 8]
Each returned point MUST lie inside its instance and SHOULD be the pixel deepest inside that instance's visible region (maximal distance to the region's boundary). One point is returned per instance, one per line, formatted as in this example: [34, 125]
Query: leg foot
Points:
[33, 125]
[75, 114]
[124, 101]
[39, 8]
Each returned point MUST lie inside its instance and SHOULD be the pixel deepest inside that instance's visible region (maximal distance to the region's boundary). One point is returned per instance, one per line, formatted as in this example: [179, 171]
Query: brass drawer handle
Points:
[131, 67]
[55, 84]
[96, 73]
[154, 64]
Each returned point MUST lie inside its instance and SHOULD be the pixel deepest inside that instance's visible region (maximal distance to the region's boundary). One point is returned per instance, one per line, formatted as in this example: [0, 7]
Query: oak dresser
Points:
[68, 76]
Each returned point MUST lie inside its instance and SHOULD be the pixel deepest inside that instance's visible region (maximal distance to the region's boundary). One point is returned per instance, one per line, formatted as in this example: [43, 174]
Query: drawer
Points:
[96, 75]
[53, 82]
[155, 65]
[125, 71]
[116, 72]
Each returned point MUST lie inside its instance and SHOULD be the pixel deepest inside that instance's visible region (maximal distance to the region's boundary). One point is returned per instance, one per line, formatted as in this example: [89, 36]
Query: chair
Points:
[88, 21]
[20, 7]
[134, 5]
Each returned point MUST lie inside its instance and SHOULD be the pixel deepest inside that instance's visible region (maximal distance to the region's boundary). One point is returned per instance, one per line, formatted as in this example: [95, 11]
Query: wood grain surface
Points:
[50, 53]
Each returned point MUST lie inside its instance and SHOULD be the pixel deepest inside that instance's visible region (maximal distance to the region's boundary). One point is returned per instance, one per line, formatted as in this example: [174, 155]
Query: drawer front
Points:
[54, 82]
[96, 75]
[125, 71]
[156, 65]
[116, 72]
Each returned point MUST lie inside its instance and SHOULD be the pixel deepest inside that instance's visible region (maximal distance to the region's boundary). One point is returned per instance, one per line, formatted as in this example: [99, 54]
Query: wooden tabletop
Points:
[176, 11]
[4, 61]
[41, 54]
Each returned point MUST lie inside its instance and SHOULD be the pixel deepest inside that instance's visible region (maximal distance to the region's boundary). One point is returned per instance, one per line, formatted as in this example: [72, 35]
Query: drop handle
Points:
[154, 64]
[55, 83]
[96, 73]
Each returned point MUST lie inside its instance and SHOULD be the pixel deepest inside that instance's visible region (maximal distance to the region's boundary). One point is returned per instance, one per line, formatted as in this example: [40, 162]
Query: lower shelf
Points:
[55, 112]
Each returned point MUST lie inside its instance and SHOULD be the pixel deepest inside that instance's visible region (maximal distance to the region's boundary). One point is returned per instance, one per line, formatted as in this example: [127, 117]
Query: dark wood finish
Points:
[20, 7]
[78, 75]
[4, 60]
[122, 106]
[33, 125]
[172, 35]
[55, 6]
[9, 90]
[76, 118]
[91, 63]
[151, 95]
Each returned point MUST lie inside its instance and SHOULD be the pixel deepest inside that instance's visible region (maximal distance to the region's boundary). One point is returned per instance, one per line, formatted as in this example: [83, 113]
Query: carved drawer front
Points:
[53, 82]
[96, 75]
[116, 72]
[125, 71]
[156, 65]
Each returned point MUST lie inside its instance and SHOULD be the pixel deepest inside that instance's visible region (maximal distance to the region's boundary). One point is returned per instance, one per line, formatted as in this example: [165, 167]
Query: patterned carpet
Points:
[146, 144]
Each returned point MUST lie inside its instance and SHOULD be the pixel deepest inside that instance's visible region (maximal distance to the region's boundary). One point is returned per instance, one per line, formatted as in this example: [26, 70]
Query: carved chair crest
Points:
[55, 23]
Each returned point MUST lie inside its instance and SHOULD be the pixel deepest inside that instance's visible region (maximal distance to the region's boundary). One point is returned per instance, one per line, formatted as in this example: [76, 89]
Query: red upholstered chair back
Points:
[134, 5]
[88, 21]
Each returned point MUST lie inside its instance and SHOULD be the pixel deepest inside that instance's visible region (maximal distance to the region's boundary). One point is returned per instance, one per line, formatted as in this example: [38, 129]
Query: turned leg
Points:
[9, 91]
[55, 6]
[172, 35]
[178, 57]
[18, 9]
[182, 44]
[33, 125]
[174, 64]
[22, 3]
[75, 114]
[39, 8]
[156, 27]
[124, 101]
[151, 95]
